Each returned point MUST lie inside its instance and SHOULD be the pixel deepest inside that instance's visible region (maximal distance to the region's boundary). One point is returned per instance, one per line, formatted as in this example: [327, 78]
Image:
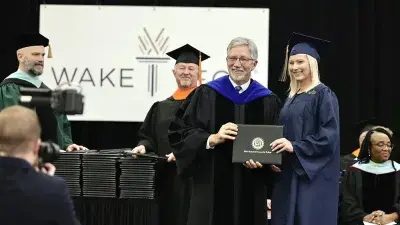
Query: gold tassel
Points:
[200, 73]
[50, 53]
[285, 65]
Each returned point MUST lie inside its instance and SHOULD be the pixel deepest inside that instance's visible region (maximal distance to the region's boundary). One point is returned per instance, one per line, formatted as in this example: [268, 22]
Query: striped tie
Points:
[238, 89]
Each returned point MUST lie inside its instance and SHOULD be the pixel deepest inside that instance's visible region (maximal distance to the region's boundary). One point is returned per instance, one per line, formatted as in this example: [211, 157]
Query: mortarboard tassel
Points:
[200, 73]
[284, 72]
[50, 54]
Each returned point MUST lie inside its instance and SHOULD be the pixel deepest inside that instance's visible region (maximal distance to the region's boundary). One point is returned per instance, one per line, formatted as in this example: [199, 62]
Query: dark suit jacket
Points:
[32, 198]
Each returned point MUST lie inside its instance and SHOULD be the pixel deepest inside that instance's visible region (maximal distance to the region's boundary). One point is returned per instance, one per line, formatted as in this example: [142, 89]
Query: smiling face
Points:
[299, 67]
[381, 147]
[186, 75]
[31, 59]
[240, 64]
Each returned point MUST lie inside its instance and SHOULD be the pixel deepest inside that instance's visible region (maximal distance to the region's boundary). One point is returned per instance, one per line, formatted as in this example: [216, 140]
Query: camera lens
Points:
[49, 151]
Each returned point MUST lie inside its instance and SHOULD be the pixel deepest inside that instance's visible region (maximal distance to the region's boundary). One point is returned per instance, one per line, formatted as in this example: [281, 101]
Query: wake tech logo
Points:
[153, 49]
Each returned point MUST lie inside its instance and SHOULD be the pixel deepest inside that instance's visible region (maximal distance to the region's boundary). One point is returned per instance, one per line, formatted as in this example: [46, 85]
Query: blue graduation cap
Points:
[303, 44]
[32, 39]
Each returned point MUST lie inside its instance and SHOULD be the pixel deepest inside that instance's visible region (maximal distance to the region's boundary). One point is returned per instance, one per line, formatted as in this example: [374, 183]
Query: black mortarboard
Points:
[188, 54]
[303, 44]
[32, 39]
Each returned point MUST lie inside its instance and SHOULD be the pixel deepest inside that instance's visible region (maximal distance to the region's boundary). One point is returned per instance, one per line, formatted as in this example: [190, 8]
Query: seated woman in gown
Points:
[371, 186]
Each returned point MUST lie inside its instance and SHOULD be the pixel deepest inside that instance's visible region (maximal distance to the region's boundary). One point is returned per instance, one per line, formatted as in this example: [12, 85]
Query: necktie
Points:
[238, 89]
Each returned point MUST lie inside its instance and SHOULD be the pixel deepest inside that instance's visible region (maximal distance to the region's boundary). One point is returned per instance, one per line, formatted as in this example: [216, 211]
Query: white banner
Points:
[117, 53]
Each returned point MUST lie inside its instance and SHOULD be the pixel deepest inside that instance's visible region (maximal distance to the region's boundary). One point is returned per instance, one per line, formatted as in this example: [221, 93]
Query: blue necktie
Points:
[238, 89]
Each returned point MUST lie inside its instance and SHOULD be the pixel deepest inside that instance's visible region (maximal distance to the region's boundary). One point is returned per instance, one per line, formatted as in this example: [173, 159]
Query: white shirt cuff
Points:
[208, 144]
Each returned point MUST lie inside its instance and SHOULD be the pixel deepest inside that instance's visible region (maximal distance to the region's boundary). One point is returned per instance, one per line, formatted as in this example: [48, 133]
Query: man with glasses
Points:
[202, 135]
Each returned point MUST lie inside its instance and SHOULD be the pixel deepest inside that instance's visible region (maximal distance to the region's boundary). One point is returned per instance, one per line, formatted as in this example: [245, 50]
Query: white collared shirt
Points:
[243, 86]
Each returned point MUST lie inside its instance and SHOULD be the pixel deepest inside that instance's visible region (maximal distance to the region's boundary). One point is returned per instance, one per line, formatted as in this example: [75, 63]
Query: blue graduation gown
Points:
[307, 189]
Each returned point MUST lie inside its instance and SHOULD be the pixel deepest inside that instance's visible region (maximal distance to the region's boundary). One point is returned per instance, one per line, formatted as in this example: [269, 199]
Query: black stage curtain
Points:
[361, 67]
[105, 211]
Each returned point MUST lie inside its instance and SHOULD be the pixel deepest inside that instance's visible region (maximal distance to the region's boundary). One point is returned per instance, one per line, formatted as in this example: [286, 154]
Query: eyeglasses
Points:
[242, 60]
[382, 145]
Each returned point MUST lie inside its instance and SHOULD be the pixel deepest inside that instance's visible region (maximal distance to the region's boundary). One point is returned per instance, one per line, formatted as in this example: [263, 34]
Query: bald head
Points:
[19, 130]
[31, 59]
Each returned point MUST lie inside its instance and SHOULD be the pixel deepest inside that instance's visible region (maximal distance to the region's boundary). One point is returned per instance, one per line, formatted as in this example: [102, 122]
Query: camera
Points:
[49, 152]
[63, 101]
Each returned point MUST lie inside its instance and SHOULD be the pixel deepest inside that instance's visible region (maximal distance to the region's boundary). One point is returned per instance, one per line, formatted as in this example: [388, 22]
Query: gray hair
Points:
[244, 41]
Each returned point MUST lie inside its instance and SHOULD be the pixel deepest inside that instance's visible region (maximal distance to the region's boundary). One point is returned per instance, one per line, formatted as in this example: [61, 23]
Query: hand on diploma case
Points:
[75, 147]
[139, 149]
[281, 144]
[227, 131]
[171, 157]
[252, 165]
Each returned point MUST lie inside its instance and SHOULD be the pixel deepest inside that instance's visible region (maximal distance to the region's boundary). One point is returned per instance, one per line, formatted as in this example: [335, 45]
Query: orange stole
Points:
[182, 94]
[356, 152]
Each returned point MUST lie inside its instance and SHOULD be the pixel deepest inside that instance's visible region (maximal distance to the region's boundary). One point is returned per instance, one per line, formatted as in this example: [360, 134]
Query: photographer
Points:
[29, 195]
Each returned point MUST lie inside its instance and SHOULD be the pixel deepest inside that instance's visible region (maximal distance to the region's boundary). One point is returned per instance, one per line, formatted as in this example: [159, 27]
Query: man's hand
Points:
[252, 165]
[227, 131]
[171, 157]
[47, 168]
[139, 149]
[75, 147]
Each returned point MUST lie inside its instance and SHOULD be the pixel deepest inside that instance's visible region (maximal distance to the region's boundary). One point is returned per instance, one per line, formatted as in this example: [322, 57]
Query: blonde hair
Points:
[294, 85]
[19, 128]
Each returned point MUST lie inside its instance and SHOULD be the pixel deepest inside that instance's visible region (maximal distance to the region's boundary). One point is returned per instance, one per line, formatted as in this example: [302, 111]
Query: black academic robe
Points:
[307, 188]
[347, 160]
[365, 192]
[172, 190]
[223, 192]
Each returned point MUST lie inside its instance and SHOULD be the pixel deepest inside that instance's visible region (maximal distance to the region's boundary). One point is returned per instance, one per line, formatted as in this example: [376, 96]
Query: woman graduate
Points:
[307, 189]
[372, 185]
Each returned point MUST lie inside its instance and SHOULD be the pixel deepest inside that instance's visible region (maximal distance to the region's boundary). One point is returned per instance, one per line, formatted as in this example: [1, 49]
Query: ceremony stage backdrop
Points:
[118, 53]
[361, 65]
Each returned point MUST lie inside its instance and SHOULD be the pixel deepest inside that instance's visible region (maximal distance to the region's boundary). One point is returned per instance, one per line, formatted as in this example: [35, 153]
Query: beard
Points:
[186, 83]
[30, 66]
[238, 76]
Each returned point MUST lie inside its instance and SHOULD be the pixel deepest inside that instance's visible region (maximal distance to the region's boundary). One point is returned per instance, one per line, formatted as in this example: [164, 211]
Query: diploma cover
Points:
[253, 142]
